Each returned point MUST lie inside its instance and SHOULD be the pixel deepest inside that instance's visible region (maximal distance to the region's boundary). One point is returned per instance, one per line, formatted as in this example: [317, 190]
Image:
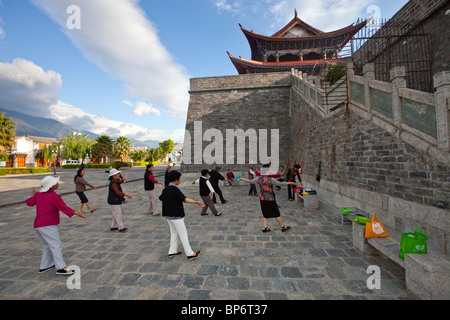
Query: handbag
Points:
[413, 242]
[375, 229]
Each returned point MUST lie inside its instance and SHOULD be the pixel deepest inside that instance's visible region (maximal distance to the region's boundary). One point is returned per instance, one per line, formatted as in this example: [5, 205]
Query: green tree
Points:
[155, 154]
[122, 148]
[47, 153]
[76, 147]
[7, 135]
[335, 72]
[139, 155]
[166, 146]
[103, 147]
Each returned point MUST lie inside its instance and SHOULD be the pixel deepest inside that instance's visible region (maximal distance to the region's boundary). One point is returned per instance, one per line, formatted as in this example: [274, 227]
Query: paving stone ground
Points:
[313, 260]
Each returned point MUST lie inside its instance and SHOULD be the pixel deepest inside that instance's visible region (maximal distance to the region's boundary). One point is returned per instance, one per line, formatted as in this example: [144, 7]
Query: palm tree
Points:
[139, 155]
[122, 148]
[7, 134]
[155, 154]
[103, 147]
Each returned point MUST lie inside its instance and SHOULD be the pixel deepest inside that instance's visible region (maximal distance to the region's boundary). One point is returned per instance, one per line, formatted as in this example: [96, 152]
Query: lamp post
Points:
[54, 152]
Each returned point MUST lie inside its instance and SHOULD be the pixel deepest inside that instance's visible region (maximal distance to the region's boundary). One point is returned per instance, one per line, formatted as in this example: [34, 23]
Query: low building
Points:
[23, 154]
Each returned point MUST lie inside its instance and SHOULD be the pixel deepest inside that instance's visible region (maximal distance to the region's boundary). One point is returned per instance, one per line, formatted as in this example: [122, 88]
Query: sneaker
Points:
[46, 269]
[64, 272]
[194, 256]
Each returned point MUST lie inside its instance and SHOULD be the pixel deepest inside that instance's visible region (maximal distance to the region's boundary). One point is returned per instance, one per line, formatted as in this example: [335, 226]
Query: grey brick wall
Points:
[357, 153]
[257, 101]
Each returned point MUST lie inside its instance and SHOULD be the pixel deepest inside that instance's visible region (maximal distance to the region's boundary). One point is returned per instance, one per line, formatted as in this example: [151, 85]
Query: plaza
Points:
[315, 260]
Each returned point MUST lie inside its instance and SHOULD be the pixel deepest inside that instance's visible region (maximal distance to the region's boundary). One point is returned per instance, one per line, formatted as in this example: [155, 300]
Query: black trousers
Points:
[291, 187]
[219, 193]
[252, 189]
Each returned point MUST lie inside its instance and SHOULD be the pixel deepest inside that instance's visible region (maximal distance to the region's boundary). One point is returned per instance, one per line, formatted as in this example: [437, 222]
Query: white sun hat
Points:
[48, 182]
[113, 172]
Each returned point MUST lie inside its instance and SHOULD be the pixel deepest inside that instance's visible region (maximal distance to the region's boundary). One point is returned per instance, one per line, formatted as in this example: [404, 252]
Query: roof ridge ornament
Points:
[295, 11]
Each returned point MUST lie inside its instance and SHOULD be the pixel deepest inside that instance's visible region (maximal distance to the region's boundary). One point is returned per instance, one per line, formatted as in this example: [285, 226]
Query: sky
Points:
[123, 67]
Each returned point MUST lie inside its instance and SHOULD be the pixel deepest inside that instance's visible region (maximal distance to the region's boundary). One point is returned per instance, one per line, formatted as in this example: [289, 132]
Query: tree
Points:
[7, 134]
[47, 152]
[139, 155]
[167, 146]
[155, 154]
[122, 148]
[76, 147]
[103, 147]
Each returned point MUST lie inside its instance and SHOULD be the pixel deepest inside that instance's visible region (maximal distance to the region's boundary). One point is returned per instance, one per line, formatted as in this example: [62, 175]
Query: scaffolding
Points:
[387, 44]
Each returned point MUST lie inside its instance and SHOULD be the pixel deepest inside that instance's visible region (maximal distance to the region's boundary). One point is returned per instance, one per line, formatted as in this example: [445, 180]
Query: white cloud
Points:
[81, 120]
[26, 86]
[228, 6]
[119, 38]
[141, 108]
[322, 14]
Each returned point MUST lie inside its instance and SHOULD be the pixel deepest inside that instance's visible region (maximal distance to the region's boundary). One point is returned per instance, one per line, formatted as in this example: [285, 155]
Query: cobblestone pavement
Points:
[313, 260]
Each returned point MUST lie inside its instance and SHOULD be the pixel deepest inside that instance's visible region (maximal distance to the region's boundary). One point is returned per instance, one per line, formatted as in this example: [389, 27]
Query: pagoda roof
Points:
[296, 22]
[242, 64]
[310, 38]
[350, 31]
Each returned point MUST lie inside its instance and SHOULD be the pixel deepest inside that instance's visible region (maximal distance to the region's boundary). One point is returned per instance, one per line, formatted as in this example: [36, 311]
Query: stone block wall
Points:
[246, 102]
[365, 166]
[366, 161]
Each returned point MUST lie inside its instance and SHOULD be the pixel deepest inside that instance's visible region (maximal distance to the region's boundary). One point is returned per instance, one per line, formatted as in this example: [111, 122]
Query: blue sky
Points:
[126, 70]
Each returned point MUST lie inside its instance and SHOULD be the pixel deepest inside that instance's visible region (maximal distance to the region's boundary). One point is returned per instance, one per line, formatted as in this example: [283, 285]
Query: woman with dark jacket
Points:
[291, 176]
[116, 197]
[149, 186]
[172, 209]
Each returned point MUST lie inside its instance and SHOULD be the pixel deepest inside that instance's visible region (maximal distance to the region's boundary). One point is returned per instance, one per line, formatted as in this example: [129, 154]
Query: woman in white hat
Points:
[116, 197]
[48, 205]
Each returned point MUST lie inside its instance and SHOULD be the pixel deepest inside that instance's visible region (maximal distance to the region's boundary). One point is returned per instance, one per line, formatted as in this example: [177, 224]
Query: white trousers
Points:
[153, 202]
[178, 230]
[116, 222]
[52, 248]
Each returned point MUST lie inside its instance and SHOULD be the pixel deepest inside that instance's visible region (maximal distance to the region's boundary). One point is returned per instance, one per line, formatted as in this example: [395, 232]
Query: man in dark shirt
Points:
[214, 179]
[172, 209]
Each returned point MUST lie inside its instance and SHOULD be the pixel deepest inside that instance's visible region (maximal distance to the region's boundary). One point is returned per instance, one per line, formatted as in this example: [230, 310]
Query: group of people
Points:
[49, 204]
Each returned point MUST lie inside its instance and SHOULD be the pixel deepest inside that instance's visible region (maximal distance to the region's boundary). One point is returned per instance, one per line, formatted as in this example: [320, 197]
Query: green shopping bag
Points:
[361, 220]
[413, 242]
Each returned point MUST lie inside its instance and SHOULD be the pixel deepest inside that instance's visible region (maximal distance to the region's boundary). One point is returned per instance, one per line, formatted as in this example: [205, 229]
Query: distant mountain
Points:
[147, 143]
[50, 128]
[41, 127]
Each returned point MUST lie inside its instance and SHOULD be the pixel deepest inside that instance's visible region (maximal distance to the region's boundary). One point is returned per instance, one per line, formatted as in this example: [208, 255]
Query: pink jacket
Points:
[48, 205]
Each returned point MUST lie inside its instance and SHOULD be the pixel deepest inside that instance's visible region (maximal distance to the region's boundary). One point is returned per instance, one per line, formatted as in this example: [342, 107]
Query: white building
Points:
[24, 152]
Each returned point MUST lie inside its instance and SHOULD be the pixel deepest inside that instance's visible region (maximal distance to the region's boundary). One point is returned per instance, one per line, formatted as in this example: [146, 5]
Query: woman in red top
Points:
[48, 205]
